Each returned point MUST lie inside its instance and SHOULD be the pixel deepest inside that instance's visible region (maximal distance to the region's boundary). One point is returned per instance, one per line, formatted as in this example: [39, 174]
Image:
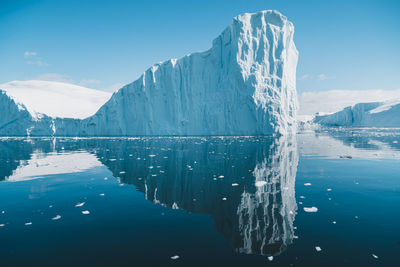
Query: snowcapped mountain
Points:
[374, 114]
[244, 85]
[56, 99]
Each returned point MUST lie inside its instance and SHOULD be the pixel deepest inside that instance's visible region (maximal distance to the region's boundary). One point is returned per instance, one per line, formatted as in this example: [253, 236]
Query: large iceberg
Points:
[374, 114]
[244, 85]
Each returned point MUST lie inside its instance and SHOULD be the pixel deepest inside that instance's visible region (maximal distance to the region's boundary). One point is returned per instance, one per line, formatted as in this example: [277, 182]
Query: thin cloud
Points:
[34, 59]
[30, 54]
[54, 77]
[89, 82]
[304, 77]
[37, 62]
[323, 77]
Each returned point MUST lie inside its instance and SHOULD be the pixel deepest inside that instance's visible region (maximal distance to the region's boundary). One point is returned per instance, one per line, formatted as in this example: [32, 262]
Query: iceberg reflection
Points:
[246, 184]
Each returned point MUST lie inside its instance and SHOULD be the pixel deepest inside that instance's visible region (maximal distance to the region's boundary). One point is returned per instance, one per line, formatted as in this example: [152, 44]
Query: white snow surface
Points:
[244, 85]
[56, 99]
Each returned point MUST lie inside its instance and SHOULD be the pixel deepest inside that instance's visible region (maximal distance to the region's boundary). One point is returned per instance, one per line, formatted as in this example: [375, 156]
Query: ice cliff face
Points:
[244, 85]
[376, 114]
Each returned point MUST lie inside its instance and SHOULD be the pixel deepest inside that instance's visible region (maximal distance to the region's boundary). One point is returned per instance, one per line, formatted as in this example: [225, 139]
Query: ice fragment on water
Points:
[56, 218]
[80, 204]
[312, 209]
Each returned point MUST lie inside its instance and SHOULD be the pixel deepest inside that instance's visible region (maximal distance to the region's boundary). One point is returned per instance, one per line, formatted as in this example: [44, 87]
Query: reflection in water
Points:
[245, 184]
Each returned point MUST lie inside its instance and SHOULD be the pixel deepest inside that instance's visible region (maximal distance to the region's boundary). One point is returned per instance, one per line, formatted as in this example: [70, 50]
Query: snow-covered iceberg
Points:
[244, 85]
[56, 99]
[374, 114]
[45, 108]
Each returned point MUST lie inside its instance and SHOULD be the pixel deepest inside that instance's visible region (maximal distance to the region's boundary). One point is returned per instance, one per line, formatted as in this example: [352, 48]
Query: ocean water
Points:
[321, 198]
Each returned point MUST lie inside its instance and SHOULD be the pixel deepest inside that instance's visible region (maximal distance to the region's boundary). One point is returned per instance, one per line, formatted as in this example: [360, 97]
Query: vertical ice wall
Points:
[244, 85]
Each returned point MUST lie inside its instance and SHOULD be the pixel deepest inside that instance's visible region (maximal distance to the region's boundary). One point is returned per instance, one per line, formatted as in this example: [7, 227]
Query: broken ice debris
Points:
[312, 209]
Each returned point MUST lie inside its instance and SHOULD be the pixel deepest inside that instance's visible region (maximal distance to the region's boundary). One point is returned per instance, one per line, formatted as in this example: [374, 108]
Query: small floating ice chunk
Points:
[122, 172]
[28, 223]
[329, 189]
[318, 249]
[102, 195]
[334, 222]
[312, 209]
[302, 197]
[260, 183]
[152, 155]
[224, 198]
[86, 212]
[307, 184]
[57, 217]
[270, 258]
[80, 204]
[373, 255]
[221, 176]
[175, 257]
[2, 224]
[105, 178]
[235, 184]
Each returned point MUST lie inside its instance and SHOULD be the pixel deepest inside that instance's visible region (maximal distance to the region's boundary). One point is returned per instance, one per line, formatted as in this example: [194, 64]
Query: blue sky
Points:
[351, 45]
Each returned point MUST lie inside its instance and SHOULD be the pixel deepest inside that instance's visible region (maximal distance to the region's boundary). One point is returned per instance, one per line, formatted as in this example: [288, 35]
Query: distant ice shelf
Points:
[374, 114]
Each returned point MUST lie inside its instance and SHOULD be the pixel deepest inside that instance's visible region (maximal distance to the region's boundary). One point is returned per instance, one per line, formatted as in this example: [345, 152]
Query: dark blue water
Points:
[210, 201]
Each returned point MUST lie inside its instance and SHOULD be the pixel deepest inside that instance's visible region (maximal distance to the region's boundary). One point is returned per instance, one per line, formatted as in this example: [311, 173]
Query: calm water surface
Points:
[325, 198]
